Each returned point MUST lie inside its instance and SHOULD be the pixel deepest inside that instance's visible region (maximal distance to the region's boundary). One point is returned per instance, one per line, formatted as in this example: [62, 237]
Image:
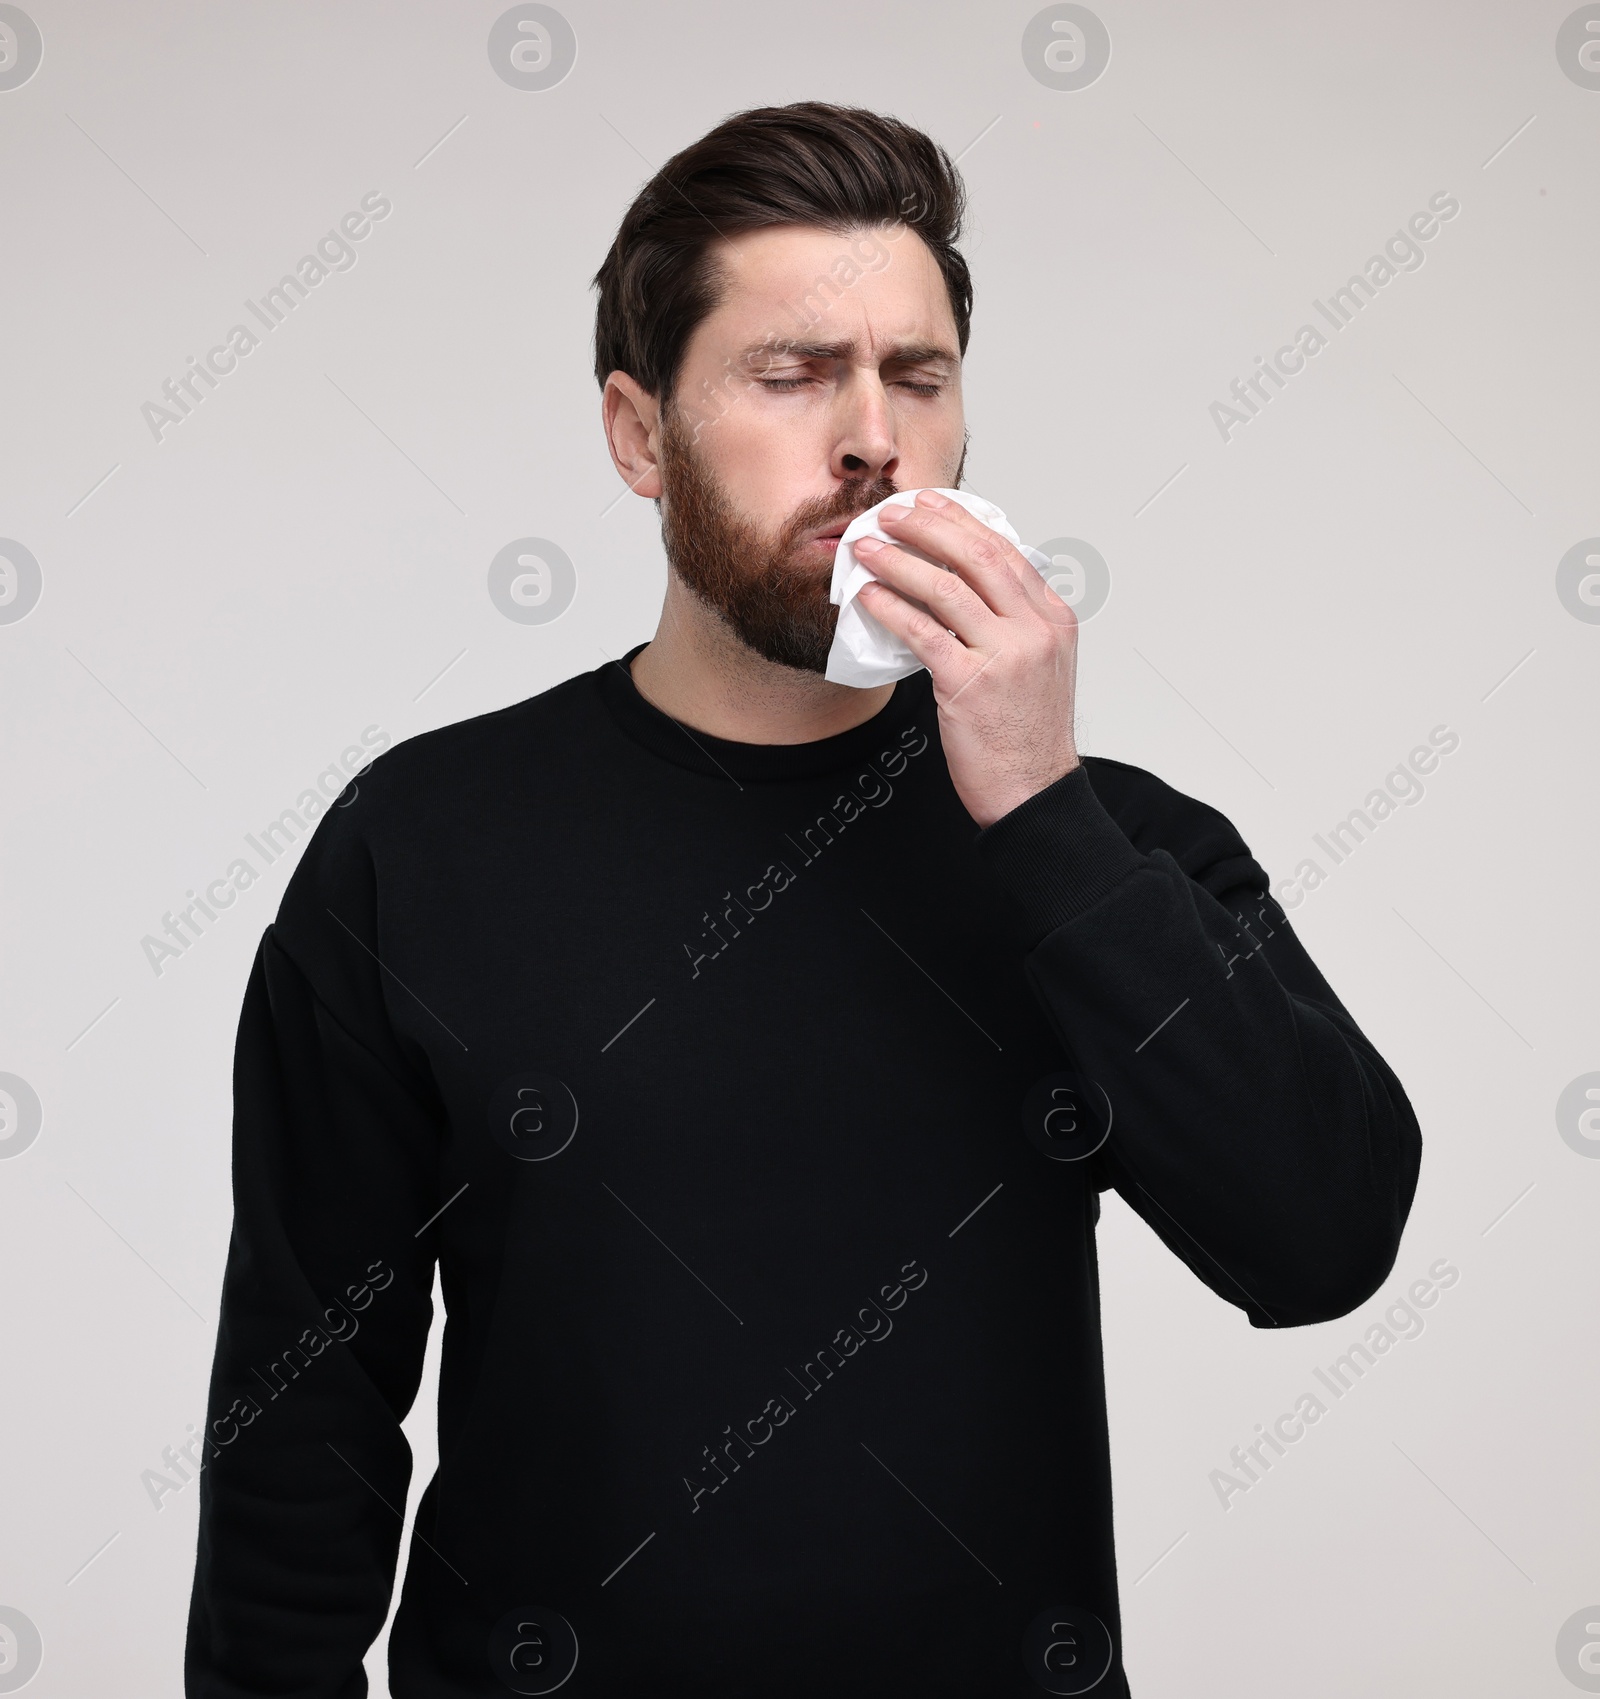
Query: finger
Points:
[982, 556]
[946, 596]
[945, 656]
[1036, 592]
[1044, 601]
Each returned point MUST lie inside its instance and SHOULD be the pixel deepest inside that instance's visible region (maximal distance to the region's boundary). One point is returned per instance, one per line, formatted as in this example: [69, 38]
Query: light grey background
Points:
[307, 554]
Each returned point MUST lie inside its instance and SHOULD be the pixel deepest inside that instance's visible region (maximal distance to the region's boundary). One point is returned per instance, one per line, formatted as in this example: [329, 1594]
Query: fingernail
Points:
[867, 545]
[932, 498]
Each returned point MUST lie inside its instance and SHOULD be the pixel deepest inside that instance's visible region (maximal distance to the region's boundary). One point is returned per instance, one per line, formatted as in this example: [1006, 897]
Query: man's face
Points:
[827, 377]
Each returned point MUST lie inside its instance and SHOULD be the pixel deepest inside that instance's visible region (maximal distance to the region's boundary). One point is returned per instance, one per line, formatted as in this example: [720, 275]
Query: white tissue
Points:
[864, 652]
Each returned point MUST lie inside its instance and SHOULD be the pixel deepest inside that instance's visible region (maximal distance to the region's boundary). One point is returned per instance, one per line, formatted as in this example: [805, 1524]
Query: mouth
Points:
[829, 538]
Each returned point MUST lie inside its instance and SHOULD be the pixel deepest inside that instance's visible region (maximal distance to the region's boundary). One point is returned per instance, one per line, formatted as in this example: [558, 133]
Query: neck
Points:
[698, 672]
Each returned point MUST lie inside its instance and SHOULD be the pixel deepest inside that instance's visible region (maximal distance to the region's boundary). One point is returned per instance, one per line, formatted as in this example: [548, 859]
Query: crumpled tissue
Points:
[864, 652]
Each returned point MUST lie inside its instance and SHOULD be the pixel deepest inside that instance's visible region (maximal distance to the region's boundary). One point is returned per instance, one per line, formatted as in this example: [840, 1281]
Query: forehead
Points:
[875, 286]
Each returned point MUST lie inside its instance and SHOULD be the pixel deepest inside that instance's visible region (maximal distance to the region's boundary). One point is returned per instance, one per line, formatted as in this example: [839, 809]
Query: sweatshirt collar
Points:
[726, 758]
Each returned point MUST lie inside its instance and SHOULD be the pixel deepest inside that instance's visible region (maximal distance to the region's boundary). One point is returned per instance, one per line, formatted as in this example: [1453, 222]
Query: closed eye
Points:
[783, 385]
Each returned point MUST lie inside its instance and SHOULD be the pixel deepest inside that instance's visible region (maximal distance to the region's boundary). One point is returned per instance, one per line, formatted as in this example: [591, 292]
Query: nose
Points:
[866, 445]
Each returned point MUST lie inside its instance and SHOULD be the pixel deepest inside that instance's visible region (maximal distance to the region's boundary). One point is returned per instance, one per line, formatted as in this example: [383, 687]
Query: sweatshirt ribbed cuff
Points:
[1058, 853]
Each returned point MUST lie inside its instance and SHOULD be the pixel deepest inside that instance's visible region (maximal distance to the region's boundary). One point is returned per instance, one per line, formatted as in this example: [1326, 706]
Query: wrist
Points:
[996, 807]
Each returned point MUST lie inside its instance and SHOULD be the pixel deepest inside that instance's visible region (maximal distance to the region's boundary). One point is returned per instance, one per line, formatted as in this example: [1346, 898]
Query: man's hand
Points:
[1002, 649]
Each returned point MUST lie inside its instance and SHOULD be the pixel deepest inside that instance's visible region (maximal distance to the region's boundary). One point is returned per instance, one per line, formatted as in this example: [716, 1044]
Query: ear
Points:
[632, 420]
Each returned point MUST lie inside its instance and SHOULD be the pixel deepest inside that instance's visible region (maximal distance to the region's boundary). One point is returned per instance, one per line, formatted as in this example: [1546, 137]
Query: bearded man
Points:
[748, 1051]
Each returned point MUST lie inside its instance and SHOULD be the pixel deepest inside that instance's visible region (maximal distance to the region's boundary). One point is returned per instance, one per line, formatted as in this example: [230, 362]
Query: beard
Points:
[775, 602]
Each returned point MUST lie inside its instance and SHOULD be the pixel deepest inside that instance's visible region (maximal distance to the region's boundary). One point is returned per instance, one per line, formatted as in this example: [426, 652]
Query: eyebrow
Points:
[899, 354]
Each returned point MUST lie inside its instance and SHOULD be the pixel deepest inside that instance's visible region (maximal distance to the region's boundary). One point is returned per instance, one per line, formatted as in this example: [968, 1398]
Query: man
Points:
[749, 1052]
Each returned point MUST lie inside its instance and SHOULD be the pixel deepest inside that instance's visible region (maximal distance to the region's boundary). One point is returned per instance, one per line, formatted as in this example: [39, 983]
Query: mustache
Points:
[854, 496]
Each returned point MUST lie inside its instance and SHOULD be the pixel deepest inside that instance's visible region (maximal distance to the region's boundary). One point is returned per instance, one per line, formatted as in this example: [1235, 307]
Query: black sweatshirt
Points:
[754, 1104]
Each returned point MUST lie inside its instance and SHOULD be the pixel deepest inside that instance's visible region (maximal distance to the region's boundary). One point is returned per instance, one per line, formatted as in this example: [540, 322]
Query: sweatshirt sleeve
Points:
[1252, 1125]
[326, 1299]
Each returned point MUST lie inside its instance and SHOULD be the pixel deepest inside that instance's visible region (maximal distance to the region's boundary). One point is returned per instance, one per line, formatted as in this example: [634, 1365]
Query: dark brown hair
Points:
[831, 167]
